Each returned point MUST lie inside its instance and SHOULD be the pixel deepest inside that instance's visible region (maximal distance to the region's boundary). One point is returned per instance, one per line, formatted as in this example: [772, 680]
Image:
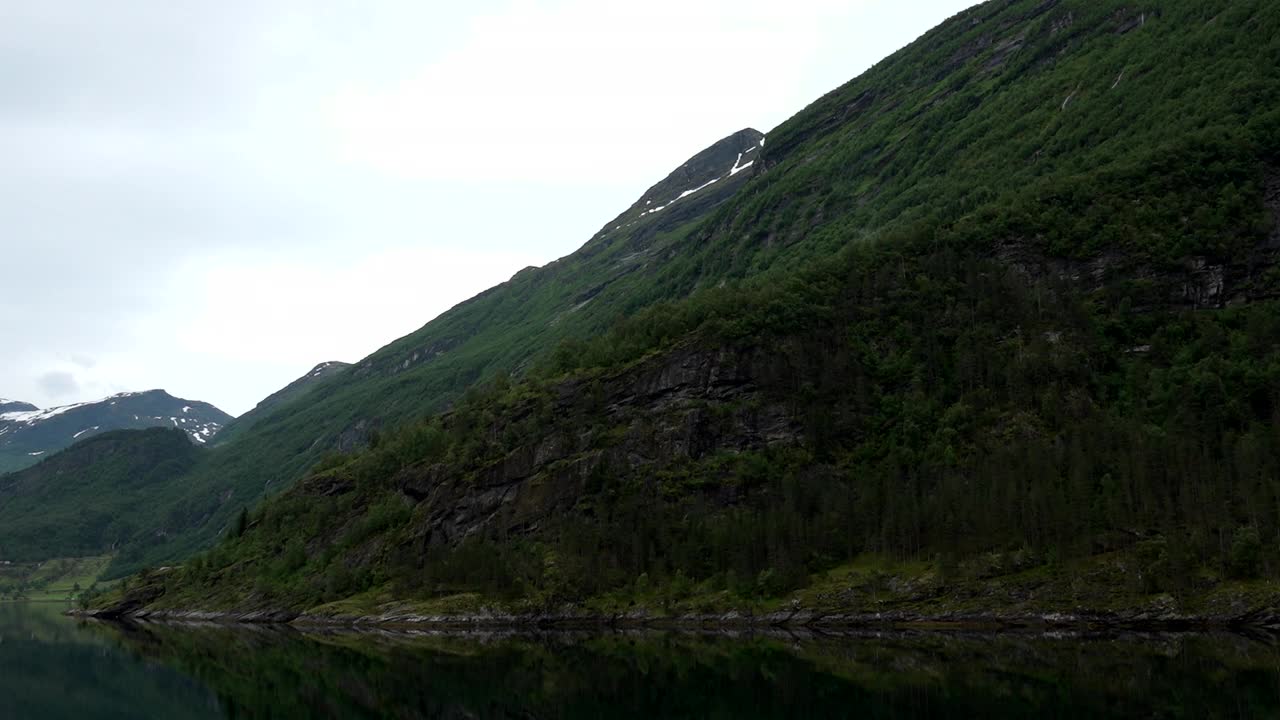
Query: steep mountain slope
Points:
[1049, 336]
[83, 501]
[983, 425]
[28, 434]
[501, 330]
[1034, 98]
[288, 394]
[976, 107]
[505, 327]
[1070, 138]
[336, 405]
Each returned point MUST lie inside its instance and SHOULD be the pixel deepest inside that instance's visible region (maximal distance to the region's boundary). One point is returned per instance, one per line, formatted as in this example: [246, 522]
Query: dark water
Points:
[52, 667]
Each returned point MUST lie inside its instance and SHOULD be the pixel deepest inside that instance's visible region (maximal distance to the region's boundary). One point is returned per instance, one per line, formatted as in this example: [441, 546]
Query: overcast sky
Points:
[212, 197]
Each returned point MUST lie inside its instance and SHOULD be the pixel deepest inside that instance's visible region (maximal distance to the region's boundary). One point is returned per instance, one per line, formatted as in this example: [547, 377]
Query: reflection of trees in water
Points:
[387, 673]
[51, 668]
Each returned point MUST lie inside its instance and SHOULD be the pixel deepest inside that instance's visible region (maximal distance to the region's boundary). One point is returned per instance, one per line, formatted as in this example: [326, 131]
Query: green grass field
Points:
[52, 580]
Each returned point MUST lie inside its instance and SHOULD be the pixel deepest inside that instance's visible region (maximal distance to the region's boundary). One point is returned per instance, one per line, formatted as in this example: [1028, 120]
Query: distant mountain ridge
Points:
[8, 406]
[94, 496]
[29, 434]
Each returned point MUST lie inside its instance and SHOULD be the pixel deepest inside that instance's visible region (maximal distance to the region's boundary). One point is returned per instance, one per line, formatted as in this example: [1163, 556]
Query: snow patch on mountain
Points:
[705, 185]
[319, 369]
[86, 430]
[26, 431]
[738, 166]
[30, 417]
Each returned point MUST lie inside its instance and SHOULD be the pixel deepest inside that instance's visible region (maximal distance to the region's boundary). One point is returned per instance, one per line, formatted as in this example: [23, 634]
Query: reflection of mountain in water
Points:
[52, 669]
[385, 674]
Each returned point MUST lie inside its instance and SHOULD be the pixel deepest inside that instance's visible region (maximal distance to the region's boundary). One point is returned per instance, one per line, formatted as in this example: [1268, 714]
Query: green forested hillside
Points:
[1005, 303]
[915, 419]
[290, 393]
[1037, 99]
[1066, 139]
[499, 331]
[336, 406]
[89, 498]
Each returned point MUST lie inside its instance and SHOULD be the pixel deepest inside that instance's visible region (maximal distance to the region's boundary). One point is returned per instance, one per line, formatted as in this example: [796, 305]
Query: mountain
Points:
[28, 434]
[504, 330]
[81, 501]
[103, 491]
[288, 394]
[991, 331]
[8, 406]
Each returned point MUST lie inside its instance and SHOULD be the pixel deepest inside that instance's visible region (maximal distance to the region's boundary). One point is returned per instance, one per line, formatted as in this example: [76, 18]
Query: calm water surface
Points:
[53, 667]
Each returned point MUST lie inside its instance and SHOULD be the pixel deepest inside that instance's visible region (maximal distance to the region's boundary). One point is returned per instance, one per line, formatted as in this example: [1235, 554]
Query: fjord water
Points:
[55, 667]
[51, 668]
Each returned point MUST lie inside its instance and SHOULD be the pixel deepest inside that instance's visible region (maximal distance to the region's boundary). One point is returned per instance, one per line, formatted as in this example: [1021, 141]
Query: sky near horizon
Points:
[212, 198]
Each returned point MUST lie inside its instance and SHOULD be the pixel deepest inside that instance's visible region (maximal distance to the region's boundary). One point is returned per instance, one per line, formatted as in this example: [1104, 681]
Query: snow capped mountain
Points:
[720, 165]
[8, 406]
[28, 433]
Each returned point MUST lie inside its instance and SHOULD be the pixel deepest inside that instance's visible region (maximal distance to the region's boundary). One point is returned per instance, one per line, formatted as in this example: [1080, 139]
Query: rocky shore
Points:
[570, 618]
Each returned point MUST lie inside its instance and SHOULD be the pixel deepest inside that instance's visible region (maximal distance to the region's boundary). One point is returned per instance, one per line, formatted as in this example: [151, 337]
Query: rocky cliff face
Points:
[678, 408]
[1196, 282]
[1272, 200]
[1193, 282]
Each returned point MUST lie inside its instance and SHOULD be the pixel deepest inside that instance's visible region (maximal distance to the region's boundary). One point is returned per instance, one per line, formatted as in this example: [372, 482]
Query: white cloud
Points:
[281, 313]
[583, 91]
[213, 197]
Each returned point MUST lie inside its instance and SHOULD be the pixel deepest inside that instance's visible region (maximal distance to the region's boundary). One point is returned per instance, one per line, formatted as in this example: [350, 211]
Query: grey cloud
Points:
[146, 140]
[58, 384]
[125, 62]
[140, 136]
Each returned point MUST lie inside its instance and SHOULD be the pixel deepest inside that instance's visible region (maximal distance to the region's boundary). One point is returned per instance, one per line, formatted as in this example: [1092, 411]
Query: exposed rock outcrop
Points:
[659, 414]
[1198, 282]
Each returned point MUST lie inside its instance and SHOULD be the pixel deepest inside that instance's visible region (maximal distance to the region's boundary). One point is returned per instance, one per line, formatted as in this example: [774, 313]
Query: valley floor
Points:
[58, 579]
